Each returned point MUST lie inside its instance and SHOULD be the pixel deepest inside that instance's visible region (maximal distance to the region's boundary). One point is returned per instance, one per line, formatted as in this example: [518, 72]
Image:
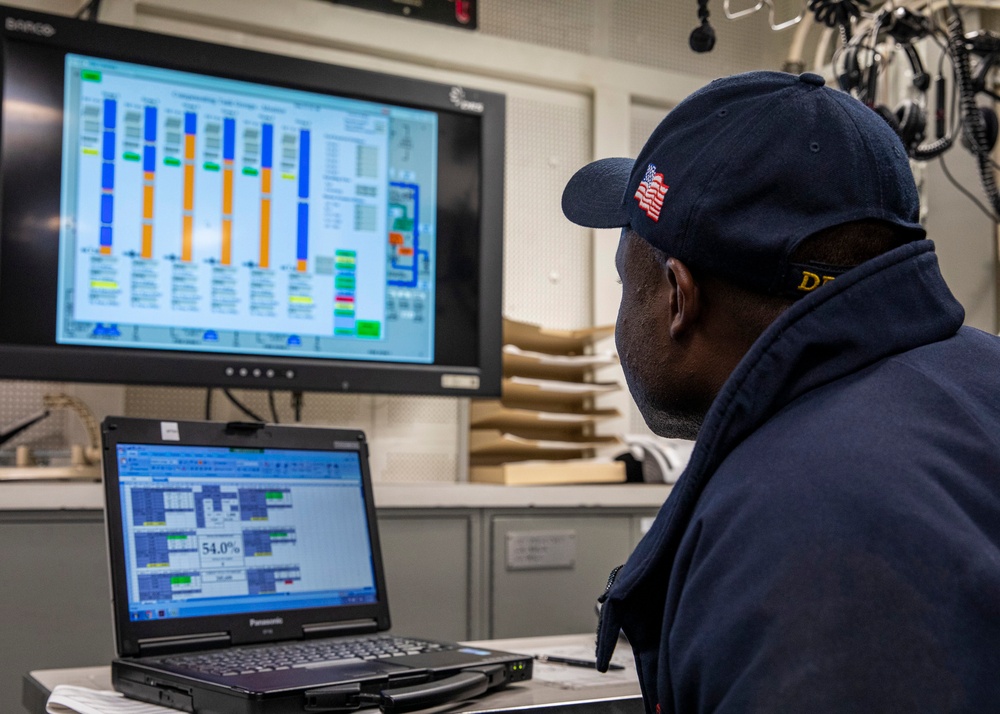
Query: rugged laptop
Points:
[247, 578]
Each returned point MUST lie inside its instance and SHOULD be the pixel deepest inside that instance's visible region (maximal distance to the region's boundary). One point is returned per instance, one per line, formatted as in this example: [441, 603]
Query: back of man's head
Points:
[838, 249]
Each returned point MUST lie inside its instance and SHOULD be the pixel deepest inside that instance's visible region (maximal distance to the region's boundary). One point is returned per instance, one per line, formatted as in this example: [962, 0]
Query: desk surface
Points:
[581, 691]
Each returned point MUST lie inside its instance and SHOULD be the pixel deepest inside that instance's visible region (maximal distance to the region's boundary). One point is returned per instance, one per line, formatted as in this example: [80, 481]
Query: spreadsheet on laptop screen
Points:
[217, 530]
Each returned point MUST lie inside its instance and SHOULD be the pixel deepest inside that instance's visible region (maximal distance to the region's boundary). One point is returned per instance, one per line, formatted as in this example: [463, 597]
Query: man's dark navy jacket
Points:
[834, 544]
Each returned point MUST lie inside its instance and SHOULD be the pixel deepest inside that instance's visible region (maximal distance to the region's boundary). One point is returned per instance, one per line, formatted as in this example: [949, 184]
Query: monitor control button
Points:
[230, 371]
[244, 371]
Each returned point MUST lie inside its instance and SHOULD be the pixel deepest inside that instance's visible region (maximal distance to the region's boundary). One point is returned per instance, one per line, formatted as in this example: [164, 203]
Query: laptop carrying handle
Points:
[464, 685]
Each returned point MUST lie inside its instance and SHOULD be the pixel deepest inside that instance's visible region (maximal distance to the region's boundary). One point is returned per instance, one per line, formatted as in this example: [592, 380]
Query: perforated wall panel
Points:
[547, 259]
[24, 399]
[647, 32]
[166, 402]
[563, 24]
[415, 439]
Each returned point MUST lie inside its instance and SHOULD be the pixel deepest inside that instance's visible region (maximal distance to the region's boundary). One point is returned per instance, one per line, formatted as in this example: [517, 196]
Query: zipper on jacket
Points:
[612, 576]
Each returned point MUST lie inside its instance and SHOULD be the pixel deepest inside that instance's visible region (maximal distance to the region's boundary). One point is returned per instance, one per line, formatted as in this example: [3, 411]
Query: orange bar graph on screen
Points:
[148, 180]
[187, 242]
[227, 215]
[267, 149]
[227, 191]
[147, 240]
[187, 229]
[265, 232]
[147, 216]
[228, 157]
[227, 242]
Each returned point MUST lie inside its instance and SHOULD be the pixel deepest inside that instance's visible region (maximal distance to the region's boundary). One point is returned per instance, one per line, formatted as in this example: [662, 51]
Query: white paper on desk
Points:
[569, 677]
[70, 699]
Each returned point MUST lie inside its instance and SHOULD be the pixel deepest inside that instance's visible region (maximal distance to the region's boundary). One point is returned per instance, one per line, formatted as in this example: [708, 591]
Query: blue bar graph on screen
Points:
[108, 175]
[302, 243]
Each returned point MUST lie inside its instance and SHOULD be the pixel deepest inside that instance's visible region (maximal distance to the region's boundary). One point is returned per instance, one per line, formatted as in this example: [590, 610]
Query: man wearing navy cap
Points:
[834, 544]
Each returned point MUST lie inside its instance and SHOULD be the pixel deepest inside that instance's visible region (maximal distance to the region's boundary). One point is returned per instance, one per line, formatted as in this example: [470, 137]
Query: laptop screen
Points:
[214, 530]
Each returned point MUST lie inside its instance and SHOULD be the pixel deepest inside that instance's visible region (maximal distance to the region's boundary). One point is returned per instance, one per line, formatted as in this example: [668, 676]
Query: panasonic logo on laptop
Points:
[265, 623]
[42, 29]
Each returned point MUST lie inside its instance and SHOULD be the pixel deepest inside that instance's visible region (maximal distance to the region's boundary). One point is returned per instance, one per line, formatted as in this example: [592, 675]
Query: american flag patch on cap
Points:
[651, 192]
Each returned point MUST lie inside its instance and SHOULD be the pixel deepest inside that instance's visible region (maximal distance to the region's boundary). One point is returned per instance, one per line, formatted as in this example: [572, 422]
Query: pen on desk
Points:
[574, 662]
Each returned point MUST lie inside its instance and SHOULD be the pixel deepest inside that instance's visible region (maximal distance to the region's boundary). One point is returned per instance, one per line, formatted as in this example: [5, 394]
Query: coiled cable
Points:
[973, 126]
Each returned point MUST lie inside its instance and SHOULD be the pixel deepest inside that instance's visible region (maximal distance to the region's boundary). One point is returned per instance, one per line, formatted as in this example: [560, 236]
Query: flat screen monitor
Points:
[181, 213]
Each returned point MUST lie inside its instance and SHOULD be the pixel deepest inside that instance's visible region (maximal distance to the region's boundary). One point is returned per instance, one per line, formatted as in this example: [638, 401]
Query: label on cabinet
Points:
[539, 550]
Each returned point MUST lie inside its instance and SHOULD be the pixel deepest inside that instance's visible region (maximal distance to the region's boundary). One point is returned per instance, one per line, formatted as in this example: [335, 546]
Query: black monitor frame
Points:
[477, 376]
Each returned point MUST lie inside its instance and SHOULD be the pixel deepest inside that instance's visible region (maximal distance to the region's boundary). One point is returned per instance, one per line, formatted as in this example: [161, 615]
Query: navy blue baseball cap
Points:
[740, 172]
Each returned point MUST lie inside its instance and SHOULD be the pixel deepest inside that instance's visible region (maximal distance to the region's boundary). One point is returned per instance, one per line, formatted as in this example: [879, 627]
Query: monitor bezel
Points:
[115, 365]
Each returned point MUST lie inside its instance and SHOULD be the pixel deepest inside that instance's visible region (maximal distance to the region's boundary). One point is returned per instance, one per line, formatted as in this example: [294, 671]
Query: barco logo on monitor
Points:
[42, 29]
[457, 97]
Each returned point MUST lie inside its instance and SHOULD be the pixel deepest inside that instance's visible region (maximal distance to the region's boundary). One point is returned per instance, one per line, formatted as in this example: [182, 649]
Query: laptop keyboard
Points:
[309, 654]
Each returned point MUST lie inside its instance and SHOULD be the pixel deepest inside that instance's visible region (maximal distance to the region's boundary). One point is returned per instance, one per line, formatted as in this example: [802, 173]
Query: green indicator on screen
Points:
[209, 166]
[368, 328]
[402, 224]
[90, 75]
[180, 580]
[279, 535]
[274, 494]
[345, 282]
[343, 332]
[250, 171]
[171, 161]
[176, 537]
[130, 156]
[344, 313]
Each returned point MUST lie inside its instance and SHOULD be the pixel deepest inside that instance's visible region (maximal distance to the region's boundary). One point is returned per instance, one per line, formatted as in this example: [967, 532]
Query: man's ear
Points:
[685, 298]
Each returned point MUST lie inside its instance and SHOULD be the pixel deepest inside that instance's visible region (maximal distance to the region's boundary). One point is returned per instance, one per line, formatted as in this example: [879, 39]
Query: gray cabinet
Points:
[431, 563]
[548, 569]
[54, 596]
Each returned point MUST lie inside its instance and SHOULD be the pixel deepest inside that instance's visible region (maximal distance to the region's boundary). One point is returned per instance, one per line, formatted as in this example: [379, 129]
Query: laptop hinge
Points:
[166, 645]
[350, 627]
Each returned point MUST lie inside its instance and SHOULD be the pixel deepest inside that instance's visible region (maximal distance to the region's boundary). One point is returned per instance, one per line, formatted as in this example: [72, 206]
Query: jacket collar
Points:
[888, 305]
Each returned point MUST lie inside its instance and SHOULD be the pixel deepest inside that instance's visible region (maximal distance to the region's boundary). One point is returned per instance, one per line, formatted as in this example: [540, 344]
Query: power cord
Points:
[242, 407]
